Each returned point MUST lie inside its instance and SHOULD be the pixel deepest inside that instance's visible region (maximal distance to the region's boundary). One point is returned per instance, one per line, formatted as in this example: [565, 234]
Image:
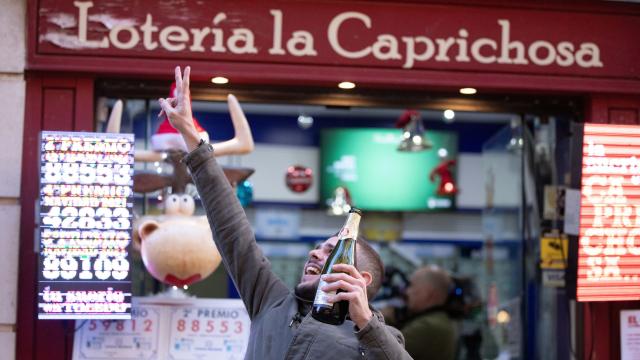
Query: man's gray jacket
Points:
[278, 331]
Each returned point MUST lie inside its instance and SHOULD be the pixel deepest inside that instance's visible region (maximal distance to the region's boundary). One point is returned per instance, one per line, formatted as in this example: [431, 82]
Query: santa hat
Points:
[167, 137]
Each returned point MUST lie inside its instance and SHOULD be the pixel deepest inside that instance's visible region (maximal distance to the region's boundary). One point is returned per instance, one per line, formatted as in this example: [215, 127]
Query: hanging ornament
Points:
[244, 192]
[447, 185]
[299, 178]
[413, 137]
[340, 204]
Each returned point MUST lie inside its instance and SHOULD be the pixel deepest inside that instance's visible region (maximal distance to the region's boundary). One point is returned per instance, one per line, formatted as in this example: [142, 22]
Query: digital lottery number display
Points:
[609, 245]
[85, 223]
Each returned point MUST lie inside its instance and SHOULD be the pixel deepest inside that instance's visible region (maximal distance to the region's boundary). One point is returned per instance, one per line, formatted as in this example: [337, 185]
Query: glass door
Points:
[502, 274]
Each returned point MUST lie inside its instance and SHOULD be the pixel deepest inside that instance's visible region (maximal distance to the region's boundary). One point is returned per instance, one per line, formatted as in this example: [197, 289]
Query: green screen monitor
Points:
[377, 176]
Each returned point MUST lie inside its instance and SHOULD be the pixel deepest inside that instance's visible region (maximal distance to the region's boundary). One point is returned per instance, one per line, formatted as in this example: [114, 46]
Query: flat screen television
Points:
[377, 176]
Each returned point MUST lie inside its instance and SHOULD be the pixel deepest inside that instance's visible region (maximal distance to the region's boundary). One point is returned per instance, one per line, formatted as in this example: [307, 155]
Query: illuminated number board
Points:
[609, 245]
[85, 217]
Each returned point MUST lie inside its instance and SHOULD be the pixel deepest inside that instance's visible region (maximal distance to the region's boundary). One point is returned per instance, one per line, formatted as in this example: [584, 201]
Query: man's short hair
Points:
[369, 260]
[439, 279]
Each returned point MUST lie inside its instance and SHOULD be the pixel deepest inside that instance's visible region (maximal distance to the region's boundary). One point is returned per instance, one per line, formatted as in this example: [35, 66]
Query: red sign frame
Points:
[322, 42]
[609, 243]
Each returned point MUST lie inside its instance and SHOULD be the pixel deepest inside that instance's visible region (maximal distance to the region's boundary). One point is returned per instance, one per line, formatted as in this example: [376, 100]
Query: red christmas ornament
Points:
[447, 185]
[299, 178]
[406, 117]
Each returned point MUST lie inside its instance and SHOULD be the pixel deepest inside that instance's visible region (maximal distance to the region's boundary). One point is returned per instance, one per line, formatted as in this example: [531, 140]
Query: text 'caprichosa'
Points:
[223, 35]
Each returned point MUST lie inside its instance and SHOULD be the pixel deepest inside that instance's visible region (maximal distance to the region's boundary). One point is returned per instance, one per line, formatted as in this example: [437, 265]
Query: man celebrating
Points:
[281, 323]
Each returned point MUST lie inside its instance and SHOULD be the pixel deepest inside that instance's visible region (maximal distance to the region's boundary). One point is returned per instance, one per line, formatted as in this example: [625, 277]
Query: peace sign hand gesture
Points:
[178, 109]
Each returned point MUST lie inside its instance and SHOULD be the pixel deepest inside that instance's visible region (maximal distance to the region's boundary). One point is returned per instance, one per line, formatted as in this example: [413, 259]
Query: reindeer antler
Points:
[115, 118]
[242, 142]
[113, 126]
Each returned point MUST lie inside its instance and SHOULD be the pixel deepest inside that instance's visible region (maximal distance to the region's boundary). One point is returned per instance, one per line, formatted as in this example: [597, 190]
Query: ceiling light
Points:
[449, 114]
[468, 91]
[220, 80]
[305, 121]
[346, 85]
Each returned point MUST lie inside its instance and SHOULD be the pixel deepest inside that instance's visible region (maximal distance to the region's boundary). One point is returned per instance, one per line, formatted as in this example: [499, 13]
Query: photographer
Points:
[428, 330]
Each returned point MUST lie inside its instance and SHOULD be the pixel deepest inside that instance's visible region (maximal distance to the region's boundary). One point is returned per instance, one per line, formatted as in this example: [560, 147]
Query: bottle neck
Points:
[351, 227]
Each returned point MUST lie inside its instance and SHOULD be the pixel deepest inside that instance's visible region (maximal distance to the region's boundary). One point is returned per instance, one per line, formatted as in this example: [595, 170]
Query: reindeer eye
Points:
[187, 205]
[172, 205]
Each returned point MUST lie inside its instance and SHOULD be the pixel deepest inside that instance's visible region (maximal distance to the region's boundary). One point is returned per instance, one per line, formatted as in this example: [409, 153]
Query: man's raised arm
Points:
[242, 258]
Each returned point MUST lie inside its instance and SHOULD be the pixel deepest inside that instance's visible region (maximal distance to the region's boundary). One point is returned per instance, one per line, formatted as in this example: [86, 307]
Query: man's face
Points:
[313, 267]
[418, 293]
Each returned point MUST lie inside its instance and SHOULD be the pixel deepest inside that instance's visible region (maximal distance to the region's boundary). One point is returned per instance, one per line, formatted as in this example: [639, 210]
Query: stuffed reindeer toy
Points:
[177, 247]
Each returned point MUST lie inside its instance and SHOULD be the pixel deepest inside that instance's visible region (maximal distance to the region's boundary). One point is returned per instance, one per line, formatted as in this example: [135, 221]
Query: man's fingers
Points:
[178, 75]
[341, 285]
[344, 277]
[349, 269]
[349, 296]
[186, 79]
[167, 108]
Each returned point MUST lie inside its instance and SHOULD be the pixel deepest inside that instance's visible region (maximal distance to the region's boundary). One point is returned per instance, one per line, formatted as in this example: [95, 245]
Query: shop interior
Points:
[498, 150]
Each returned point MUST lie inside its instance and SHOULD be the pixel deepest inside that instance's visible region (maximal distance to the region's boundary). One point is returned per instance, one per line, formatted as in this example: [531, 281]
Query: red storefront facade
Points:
[586, 49]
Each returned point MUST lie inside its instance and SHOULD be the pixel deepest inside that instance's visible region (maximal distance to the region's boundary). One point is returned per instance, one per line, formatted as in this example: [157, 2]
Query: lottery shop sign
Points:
[609, 244]
[85, 219]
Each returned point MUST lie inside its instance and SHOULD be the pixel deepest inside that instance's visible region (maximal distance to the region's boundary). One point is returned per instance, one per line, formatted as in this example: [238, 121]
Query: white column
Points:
[12, 92]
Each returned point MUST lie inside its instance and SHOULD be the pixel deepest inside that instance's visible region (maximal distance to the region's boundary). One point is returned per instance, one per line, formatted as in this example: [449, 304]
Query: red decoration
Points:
[299, 178]
[447, 185]
[406, 117]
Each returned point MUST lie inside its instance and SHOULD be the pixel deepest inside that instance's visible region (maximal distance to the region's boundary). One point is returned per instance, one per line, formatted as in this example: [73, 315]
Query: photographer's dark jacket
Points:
[429, 335]
[278, 331]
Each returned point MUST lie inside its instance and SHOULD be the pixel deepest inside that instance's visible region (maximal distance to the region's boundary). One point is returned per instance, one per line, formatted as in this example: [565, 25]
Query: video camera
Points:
[463, 302]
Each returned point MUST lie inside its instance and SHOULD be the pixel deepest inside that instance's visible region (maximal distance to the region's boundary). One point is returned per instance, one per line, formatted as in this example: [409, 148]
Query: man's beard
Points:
[307, 290]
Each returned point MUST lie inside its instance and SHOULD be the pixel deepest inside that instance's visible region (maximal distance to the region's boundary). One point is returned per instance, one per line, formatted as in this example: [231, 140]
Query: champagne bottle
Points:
[343, 253]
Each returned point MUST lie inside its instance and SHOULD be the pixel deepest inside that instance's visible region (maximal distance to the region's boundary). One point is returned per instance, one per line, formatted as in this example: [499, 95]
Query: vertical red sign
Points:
[609, 247]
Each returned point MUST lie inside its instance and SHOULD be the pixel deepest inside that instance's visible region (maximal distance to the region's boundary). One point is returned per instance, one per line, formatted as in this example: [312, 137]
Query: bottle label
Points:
[321, 296]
